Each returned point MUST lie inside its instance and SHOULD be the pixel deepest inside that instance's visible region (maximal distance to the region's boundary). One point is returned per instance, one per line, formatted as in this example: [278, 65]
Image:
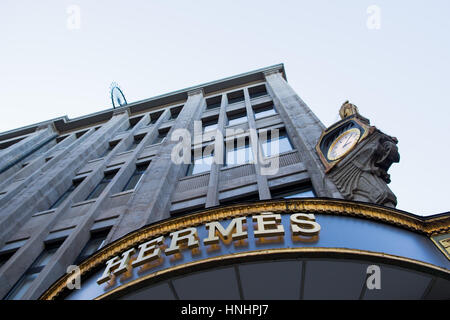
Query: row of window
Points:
[235, 154]
[236, 96]
[107, 178]
[240, 116]
[208, 125]
[300, 190]
[238, 153]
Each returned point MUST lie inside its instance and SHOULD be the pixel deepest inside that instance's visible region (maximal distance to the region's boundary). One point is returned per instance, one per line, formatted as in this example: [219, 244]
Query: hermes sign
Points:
[266, 228]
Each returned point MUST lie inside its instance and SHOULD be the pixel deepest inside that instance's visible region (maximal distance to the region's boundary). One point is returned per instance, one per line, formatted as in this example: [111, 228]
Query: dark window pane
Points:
[132, 182]
[235, 97]
[159, 138]
[24, 283]
[296, 191]
[44, 257]
[4, 258]
[94, 244]
[65, 195]
[237, 119]
[213, 103]
[272, 146]
[101, 186]
[210, 125]
[237, 155]
[240, 199]
[300, 194]
[21, 287]
[264, 112]
[154, 117]
[213, 106]
[136, 142]
[201, 165]
[257, 91]
[136, 177]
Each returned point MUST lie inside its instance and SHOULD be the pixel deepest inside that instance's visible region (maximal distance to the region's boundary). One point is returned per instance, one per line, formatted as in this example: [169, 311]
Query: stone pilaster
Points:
[212, 196]
[304, 129]
[263, 187]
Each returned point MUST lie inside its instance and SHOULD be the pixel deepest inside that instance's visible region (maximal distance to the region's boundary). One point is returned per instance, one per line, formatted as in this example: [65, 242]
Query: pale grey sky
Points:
[397, 75]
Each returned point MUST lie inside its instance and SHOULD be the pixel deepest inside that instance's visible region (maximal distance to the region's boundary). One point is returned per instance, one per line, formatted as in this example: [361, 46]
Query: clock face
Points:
[343, 143]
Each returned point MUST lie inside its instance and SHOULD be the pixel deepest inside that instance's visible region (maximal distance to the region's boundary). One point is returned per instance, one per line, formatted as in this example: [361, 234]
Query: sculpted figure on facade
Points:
[363, 174]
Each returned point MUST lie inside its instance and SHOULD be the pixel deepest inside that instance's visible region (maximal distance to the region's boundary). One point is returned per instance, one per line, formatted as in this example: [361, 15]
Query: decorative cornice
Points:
[427, 226]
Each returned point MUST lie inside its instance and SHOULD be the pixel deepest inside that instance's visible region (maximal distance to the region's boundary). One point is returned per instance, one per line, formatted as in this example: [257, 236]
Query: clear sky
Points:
[397, 75]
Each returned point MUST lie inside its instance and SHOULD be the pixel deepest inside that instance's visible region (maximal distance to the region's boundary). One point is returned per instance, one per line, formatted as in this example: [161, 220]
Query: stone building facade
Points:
[71, 186]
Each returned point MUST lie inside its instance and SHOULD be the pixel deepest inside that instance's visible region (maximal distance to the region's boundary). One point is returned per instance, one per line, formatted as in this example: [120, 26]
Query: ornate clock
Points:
[341, 138]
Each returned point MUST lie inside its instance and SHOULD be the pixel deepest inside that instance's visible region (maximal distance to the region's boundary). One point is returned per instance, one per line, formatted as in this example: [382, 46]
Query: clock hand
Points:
[346, 142]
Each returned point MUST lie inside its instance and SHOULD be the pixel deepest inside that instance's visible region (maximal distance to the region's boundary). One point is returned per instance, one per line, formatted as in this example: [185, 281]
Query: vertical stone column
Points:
[304, 128]
[263, 187]
[151, 200]
[212, 196]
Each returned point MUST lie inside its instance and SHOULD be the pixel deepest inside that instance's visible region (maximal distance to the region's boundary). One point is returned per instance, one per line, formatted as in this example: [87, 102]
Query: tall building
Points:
[232, 189]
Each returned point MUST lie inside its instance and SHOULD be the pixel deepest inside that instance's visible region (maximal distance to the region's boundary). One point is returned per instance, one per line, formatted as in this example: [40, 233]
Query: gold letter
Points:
[114, 262]
[146, 247]
[234, 224]
[304, 224]
[188, 235]
[268, 225]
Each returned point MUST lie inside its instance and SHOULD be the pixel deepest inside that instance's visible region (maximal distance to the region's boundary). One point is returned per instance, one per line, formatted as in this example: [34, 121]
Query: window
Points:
[111, 146]
[101, 186]
[273, 146]
[133, 122]
[154, 117]
[136, 177]
[209, 125]
[213, 103]
[241, 198]
[95, 242]
[136, 142]
[61, 138]
[295, 191]
[265, 111]
[24, 283]
[235, 97]
[174, 112]
[238, 153]
[80, 134]
[258, 91]
[8, 143]
[5, 257]
[160, 137]
[237, 118]
[64, 196]
[201, 164]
